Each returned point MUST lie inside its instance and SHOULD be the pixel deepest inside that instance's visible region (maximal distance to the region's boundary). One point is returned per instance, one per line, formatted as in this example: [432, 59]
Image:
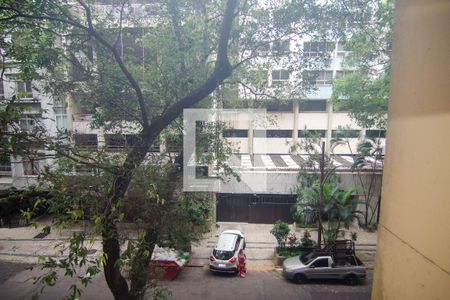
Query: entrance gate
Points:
[260, 208]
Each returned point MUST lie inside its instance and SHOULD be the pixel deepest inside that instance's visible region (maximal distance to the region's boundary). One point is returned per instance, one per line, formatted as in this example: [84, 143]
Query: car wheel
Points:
[351, 279]
[300, 278]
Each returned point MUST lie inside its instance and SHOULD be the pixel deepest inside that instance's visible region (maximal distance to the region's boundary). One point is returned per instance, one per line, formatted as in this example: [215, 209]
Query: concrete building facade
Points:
[413, 249]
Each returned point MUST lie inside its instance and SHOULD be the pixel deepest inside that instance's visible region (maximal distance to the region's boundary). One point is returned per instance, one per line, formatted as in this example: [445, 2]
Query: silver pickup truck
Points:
[302, 268]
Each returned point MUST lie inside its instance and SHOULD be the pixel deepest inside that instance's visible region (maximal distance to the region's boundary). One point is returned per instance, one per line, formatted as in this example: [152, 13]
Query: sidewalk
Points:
[20, 245]
[261, 244]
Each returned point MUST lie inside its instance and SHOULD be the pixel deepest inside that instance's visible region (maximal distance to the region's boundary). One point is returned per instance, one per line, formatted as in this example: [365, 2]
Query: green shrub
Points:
[280, 231]
[289, 251]
[306, 241]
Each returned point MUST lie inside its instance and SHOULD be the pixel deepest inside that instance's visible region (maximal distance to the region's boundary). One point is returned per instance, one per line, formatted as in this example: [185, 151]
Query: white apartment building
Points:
[263, 153]
[16, 171]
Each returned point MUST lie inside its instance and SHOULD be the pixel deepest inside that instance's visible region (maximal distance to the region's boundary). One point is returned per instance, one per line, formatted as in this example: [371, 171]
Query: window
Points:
[342, 49]
[376, 133]
[317, 48]
[263, 49]
[324, 77]
[201, 171]
[343, 73]
[5, 165]
[114, 141]
[31, 166]
[311, 133]
[313, 105]
[279, 106]
[174, 143]
[280, 47]
[318, 77]
[82, 169]
[235, 133]
[60, 109]
[321, 263]
[61, 118]
[24, 89]
[27, 123]
[279, 76]
[345, 133]
[86, 140]
[120, 141]
[2, 90]
[272, 133]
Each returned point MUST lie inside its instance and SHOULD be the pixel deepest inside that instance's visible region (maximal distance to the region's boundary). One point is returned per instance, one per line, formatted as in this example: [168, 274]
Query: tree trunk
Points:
[136, 156]
[116, 282]
[140, 269]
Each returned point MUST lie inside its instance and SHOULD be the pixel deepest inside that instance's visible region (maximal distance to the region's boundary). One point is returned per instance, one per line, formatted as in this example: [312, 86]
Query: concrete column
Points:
[163, 144]
[362, 134]
[413, 260]
[295, 110]
[250, 137]
[329, 125]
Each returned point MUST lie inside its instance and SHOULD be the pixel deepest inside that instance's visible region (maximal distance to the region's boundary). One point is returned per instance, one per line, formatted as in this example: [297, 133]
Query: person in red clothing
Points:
[241, 263]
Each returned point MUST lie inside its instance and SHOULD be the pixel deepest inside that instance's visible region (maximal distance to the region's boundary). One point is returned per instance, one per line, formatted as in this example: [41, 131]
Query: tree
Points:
[41, 23]
[366, 31]
[183, 51]
[367, 162]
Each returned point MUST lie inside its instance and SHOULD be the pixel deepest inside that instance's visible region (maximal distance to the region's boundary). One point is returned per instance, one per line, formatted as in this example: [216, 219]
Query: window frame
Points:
[281, 79]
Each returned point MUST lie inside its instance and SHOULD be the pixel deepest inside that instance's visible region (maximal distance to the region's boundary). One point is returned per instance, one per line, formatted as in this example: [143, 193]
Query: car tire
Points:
[351, 279]
[300, 278]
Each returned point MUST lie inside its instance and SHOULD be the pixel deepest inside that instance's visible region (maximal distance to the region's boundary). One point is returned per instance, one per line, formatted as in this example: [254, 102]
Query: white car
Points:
[224, 256]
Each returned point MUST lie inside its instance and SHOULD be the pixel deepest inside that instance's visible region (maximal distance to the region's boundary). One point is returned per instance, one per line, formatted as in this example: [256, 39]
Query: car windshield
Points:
[223, 255]
[307, 258]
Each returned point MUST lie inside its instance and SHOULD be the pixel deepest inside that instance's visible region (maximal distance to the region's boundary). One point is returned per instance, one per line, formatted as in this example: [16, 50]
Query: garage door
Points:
[249, 208]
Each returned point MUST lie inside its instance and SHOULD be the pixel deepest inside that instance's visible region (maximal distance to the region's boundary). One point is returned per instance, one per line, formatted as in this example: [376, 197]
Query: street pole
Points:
[322, 166]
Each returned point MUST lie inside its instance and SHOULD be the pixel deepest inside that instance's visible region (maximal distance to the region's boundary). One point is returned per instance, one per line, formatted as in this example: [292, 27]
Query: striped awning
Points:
[293, 162]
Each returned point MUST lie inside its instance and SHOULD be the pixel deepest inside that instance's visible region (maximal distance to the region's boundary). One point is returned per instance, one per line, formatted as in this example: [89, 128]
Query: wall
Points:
[413, 254]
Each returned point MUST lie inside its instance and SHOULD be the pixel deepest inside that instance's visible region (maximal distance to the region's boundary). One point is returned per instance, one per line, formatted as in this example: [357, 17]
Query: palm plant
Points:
[337, 207]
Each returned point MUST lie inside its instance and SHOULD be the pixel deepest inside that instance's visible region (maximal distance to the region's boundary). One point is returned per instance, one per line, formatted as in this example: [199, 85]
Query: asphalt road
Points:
[192, 283]
[198, 283]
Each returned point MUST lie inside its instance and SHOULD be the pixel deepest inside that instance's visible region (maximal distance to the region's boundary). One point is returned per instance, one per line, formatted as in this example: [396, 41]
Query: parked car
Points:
[302, 268]
[224, 255]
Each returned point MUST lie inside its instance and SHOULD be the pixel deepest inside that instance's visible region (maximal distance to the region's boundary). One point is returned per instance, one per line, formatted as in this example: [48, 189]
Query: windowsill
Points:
[27, 99]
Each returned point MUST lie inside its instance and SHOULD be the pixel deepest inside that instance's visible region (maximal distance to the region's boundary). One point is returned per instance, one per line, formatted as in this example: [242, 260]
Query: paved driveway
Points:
[259, 250]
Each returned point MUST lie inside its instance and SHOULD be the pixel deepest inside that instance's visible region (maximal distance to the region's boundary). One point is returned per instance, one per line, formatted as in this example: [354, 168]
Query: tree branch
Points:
[134, 84]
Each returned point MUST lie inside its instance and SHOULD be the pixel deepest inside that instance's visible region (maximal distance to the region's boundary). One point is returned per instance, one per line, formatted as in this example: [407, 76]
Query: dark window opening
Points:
[201, 171]
[5, 165]
[313, 105]
[345, 133]
[317, 48]
[279, 106]
[311, 133]
[86, 140]
[235, 133]
[272, 133]
[376, 133]
[2, 90]
[344, 73]
[174, 143]
[280, 76]
[280, 47]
